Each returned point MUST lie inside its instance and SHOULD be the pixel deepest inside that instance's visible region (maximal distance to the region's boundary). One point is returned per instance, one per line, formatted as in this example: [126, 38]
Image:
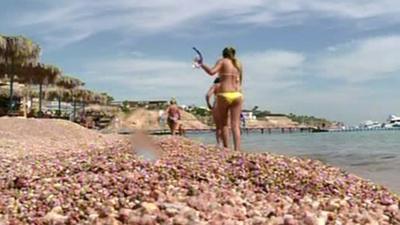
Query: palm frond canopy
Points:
[68, 82]
[16, 50]
[84, 95]
[3, 70]
[5, 92]
[51, 73]
[3, 45]
[100, 98]
[54, 93]
[18, 71]
[38, 73]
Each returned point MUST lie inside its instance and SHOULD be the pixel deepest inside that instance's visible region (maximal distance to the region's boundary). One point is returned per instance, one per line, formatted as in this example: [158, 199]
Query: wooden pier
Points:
[275, 130]
[243, 130]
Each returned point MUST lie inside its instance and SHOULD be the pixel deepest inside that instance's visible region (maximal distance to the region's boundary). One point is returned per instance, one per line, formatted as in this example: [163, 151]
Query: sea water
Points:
[373, 155]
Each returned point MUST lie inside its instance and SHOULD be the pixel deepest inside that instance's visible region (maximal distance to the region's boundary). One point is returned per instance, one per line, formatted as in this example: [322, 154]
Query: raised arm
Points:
[210, 92]
[214, 70]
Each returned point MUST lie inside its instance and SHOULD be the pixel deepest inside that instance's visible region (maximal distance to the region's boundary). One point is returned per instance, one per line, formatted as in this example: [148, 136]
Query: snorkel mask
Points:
[198, 59]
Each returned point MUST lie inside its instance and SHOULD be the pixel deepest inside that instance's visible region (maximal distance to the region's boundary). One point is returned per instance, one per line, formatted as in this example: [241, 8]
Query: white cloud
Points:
[357, 9]
[60, 19]
[273, 65]
[268, 72]
[370, 59]
[150, 77]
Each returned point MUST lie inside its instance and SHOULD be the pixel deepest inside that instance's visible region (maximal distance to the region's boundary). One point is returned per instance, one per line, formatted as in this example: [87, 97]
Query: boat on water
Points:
[319, 130]
[392, 121]
[369, 124]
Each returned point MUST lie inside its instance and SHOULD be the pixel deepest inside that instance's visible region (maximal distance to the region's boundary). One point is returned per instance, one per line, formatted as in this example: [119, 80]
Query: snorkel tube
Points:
[198, 60]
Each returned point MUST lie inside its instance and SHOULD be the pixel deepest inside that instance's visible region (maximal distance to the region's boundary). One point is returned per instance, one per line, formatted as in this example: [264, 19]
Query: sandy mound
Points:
[272, 122]
[149, 120]
[143, 119]
[191, 122]
[44, 136]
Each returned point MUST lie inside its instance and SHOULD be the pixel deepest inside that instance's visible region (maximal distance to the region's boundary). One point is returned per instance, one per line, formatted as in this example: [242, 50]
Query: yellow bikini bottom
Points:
[230, 97]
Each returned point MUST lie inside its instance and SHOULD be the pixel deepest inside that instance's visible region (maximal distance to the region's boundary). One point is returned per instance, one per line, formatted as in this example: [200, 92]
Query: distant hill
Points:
[310, 120]
[145, 119]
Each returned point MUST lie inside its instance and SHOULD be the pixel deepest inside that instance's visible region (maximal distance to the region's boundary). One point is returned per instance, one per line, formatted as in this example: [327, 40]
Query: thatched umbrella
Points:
[68, 82]
[99, 98]
[71, 84]
[40, 74]
[15, 51]
[83, 96]
[3, 45]
[2, 73]
[47, 74]
[5, 92]
[59, 93]
[106, 99]
[18, 92]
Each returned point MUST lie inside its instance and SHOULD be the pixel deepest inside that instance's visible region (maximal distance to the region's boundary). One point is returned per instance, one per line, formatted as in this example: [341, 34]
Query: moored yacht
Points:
[369, 124]
[393, 121]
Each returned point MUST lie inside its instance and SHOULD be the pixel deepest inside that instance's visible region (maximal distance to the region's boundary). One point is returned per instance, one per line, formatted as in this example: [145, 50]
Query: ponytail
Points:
[238, 66]
[230, 53]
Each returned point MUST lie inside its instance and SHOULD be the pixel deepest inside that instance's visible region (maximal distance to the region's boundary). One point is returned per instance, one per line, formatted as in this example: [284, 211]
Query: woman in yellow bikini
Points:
[230, 97]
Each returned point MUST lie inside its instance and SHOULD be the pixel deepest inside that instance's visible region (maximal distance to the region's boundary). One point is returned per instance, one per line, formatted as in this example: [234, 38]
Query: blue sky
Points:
[334, 59]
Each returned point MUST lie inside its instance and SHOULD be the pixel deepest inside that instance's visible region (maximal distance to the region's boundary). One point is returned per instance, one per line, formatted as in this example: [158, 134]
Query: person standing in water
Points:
[173, 117]
[229, 97]
[214, 91]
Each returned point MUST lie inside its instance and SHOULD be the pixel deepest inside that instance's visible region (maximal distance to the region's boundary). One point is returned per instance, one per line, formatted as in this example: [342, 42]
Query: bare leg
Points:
[218, 132]
[176, 127]
[222, 113]
[235, 110]
[181, 130]
[172, 126]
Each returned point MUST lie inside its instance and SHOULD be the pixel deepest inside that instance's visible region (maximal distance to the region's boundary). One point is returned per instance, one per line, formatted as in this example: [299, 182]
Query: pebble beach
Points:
[56, 172]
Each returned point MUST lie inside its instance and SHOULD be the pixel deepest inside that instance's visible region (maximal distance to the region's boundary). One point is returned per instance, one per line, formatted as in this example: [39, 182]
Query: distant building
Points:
[152, 104]
[248, 115]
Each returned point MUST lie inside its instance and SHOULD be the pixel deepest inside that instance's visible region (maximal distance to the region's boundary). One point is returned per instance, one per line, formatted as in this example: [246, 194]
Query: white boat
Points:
[369, 124]
[393, 121]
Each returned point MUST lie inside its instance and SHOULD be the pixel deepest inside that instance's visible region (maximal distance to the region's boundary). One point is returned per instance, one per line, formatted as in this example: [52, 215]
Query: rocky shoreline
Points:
[107, 183]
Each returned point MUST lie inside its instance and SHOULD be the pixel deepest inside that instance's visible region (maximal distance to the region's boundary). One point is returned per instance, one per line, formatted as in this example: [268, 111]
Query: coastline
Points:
[191, 183]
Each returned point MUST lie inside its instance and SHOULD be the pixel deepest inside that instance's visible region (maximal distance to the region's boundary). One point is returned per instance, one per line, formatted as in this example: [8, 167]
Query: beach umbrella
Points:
[39, 74]
[76, 94]
[59, 93]
[66, 85]
[100, 98]
[107, 98]
[68, 82]
[15, 51]
[3, 45]
[44, 75]
[5, 92]
[83, 96]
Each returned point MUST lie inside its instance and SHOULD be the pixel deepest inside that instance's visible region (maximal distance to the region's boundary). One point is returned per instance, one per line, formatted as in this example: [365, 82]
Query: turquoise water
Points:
[373, 155]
